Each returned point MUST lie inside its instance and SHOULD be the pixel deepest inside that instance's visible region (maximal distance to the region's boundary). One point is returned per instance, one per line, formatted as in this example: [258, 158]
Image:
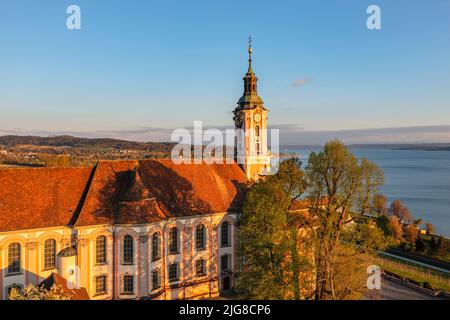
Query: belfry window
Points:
[257, 131]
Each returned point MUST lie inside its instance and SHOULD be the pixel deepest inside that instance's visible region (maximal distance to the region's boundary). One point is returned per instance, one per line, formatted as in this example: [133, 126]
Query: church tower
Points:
[250, 119]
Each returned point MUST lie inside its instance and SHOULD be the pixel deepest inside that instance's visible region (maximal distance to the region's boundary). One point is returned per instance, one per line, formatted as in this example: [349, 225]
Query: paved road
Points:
[391, 290]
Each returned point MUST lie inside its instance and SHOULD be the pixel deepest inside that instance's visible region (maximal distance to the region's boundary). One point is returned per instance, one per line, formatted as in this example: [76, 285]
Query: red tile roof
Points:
[39, 197]
[73, 294]
[124, 192]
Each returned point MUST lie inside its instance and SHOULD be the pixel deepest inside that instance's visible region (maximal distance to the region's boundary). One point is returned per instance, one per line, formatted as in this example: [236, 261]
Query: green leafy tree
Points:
[383, 223]
[442, 248]
[420, 244]
[322, 254]
[269, 237]
[349, 187]
[434, 245]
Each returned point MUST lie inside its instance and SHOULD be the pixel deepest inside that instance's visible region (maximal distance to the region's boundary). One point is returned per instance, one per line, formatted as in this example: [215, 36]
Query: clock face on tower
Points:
[257, 117]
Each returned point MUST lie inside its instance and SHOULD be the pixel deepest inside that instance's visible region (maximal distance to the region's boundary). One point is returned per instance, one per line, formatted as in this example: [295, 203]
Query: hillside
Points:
[75, 142]
[74, 151]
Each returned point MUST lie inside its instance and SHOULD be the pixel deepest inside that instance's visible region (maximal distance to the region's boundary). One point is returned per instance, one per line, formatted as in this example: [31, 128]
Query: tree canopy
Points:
[318, 253]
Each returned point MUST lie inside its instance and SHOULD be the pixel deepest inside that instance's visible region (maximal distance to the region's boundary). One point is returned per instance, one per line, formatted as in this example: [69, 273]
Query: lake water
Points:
[420, 179]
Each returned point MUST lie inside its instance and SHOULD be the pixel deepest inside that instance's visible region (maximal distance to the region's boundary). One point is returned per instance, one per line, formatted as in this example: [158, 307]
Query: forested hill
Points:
[75, 142]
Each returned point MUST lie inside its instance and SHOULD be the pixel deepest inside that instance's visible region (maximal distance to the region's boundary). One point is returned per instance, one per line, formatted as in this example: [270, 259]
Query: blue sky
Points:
[163, 64]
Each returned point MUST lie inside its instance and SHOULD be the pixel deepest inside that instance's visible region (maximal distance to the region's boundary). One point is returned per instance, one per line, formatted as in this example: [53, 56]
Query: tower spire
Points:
[250, 117]
[250, 51]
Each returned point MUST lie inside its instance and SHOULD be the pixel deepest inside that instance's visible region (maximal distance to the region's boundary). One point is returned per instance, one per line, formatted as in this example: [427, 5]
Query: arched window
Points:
[100, 250]
[173, 240]
[225, 234]
[14, 257]
[258, 148]
[257, 131]
[200, 237]
[128, 252]
[49, 254]
[156, 247]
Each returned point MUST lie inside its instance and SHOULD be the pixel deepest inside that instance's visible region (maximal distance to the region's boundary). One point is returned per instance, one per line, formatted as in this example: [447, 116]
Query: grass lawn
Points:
[427, 278]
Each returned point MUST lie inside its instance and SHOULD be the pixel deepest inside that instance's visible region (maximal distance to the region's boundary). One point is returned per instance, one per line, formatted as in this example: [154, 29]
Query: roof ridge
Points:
[83, 197]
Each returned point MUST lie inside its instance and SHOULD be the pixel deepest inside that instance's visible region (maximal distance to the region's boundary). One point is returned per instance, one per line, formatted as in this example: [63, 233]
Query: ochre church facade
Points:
[147, 229]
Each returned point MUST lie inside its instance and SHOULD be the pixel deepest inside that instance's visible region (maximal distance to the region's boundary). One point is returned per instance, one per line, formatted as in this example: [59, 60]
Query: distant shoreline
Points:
[408, 146]
[68, 141]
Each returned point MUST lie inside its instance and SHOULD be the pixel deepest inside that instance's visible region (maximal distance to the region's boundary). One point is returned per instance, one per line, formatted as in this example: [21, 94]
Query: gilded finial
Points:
[250, 45]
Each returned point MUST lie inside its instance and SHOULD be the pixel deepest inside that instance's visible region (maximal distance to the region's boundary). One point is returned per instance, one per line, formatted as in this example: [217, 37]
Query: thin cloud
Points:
[301, 81]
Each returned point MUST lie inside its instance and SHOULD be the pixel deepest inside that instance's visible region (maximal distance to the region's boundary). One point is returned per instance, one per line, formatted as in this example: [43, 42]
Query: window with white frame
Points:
[200, 269]
[173, 240]
[14, 257]
[173, 272]
[100, 284]
[100, 250]
[224, 262]
[128, 250]
[156, 279]
[200, 237]
[49, 254]
[156, 246]
[225, 234]
[127, 284]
